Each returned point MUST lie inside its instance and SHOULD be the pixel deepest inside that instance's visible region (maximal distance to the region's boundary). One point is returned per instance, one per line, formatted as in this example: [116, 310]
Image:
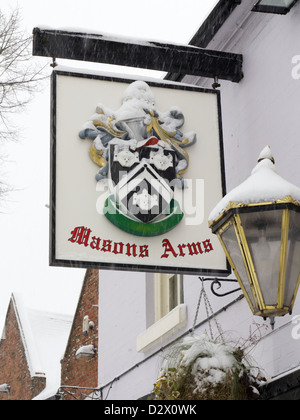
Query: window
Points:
[165, 312]
[274, 6]
[168, 294]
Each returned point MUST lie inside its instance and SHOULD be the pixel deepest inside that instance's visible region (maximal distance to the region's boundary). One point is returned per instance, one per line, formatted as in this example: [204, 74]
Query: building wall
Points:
[122, 313]
[261, 110]
[125, 307]
[82, 373]
[14, 369]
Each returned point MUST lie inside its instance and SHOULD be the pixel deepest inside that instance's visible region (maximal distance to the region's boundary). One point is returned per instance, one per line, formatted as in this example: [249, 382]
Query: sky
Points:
[24, 216]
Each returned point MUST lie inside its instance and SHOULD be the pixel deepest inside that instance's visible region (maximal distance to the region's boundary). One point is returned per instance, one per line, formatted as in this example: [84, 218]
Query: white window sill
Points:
[162, 329]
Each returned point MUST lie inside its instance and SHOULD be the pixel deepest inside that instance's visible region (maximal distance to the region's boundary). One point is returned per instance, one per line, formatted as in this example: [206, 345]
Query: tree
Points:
[20, 74]
[20, 77]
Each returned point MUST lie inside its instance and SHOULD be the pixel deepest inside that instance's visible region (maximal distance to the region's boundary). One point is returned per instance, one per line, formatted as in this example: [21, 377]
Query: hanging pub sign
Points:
[136, 169]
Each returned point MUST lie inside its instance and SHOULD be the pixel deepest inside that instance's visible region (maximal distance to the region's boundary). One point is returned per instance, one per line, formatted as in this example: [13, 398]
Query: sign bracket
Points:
[183, 59]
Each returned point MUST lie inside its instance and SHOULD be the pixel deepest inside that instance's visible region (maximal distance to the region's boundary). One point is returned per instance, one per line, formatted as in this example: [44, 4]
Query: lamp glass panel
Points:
[263, 234]
[231, 243]
[293, 258]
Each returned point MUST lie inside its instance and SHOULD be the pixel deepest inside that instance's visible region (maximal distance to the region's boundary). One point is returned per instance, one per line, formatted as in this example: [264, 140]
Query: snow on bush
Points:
[198, 368]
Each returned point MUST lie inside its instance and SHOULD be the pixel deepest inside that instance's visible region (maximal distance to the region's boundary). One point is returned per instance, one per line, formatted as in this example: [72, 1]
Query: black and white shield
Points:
[141, 180]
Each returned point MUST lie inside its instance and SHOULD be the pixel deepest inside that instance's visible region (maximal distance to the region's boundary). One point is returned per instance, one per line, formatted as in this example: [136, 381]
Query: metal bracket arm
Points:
[218, 283]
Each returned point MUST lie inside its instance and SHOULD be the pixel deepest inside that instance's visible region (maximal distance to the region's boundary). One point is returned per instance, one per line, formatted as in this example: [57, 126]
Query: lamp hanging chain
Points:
[197, 311]
[209, 313]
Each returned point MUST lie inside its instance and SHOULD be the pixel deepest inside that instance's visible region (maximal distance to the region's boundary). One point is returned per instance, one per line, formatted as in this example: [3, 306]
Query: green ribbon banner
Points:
[119, 219]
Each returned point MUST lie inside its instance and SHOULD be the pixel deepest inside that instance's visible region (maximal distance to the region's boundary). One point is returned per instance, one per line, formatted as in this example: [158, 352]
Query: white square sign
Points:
[136, 169]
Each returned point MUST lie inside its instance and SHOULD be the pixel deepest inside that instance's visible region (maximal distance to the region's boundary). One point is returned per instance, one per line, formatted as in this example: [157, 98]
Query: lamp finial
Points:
[266, 154]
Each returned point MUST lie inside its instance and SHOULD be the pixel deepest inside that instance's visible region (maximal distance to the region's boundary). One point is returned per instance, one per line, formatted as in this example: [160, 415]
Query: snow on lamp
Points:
[258, 225]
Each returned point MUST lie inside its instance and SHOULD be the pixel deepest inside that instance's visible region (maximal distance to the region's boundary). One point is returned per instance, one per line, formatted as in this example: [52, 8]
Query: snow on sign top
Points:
[263, 186]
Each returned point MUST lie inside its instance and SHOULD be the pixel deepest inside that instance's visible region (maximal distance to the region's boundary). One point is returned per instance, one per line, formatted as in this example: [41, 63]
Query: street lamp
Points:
[258, 225]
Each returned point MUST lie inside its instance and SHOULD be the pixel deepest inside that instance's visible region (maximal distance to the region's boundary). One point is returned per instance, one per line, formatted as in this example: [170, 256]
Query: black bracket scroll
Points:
[218, 283]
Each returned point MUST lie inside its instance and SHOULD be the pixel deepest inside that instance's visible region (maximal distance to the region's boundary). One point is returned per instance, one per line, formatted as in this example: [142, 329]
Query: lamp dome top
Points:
[264, 185]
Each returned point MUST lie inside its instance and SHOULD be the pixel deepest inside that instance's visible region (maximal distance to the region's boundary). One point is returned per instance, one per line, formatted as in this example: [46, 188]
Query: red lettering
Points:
[168, 248]
[131, 250]
[106, 246]
[144, 251]
[119, 245]
[96, 243]
[195, 249]
[182, 254]
[81, 236]
[207, 246]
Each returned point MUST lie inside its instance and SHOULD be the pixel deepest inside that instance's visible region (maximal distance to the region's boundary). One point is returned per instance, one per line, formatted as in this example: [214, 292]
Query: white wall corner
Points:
[164, 328]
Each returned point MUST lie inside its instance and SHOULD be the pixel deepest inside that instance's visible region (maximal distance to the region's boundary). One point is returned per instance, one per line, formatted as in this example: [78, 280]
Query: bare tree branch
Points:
[20, 79]
[20, 75]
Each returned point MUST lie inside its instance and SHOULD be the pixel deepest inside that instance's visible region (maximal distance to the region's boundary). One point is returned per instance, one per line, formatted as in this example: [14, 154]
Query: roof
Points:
[224, 22]
[284, 387]
[215, 20]
[210, 27]
[44, 337]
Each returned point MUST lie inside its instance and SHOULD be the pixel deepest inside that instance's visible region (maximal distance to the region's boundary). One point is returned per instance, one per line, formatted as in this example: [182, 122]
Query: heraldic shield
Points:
[143, 159]
[140, 179]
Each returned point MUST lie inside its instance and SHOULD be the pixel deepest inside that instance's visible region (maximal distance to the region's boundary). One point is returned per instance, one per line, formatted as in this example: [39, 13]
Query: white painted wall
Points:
[262, 109]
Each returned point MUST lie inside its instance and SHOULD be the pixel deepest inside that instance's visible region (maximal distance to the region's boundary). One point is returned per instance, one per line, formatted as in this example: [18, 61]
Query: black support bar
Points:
[140, 54]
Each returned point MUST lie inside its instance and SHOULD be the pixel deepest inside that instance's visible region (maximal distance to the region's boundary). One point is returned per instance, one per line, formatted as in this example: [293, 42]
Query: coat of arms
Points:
[141, 152]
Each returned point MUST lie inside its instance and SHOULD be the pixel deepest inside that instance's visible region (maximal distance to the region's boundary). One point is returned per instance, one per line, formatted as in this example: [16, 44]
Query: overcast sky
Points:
[24, 221]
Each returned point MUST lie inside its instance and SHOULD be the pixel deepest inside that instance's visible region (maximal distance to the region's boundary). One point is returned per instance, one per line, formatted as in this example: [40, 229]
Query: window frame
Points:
[168, 293]
[281, 10]
[168, 308]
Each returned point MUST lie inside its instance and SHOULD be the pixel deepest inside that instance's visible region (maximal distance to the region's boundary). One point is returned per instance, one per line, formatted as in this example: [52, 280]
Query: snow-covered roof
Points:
[263, 186]
[2, 324]
[44, 337]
